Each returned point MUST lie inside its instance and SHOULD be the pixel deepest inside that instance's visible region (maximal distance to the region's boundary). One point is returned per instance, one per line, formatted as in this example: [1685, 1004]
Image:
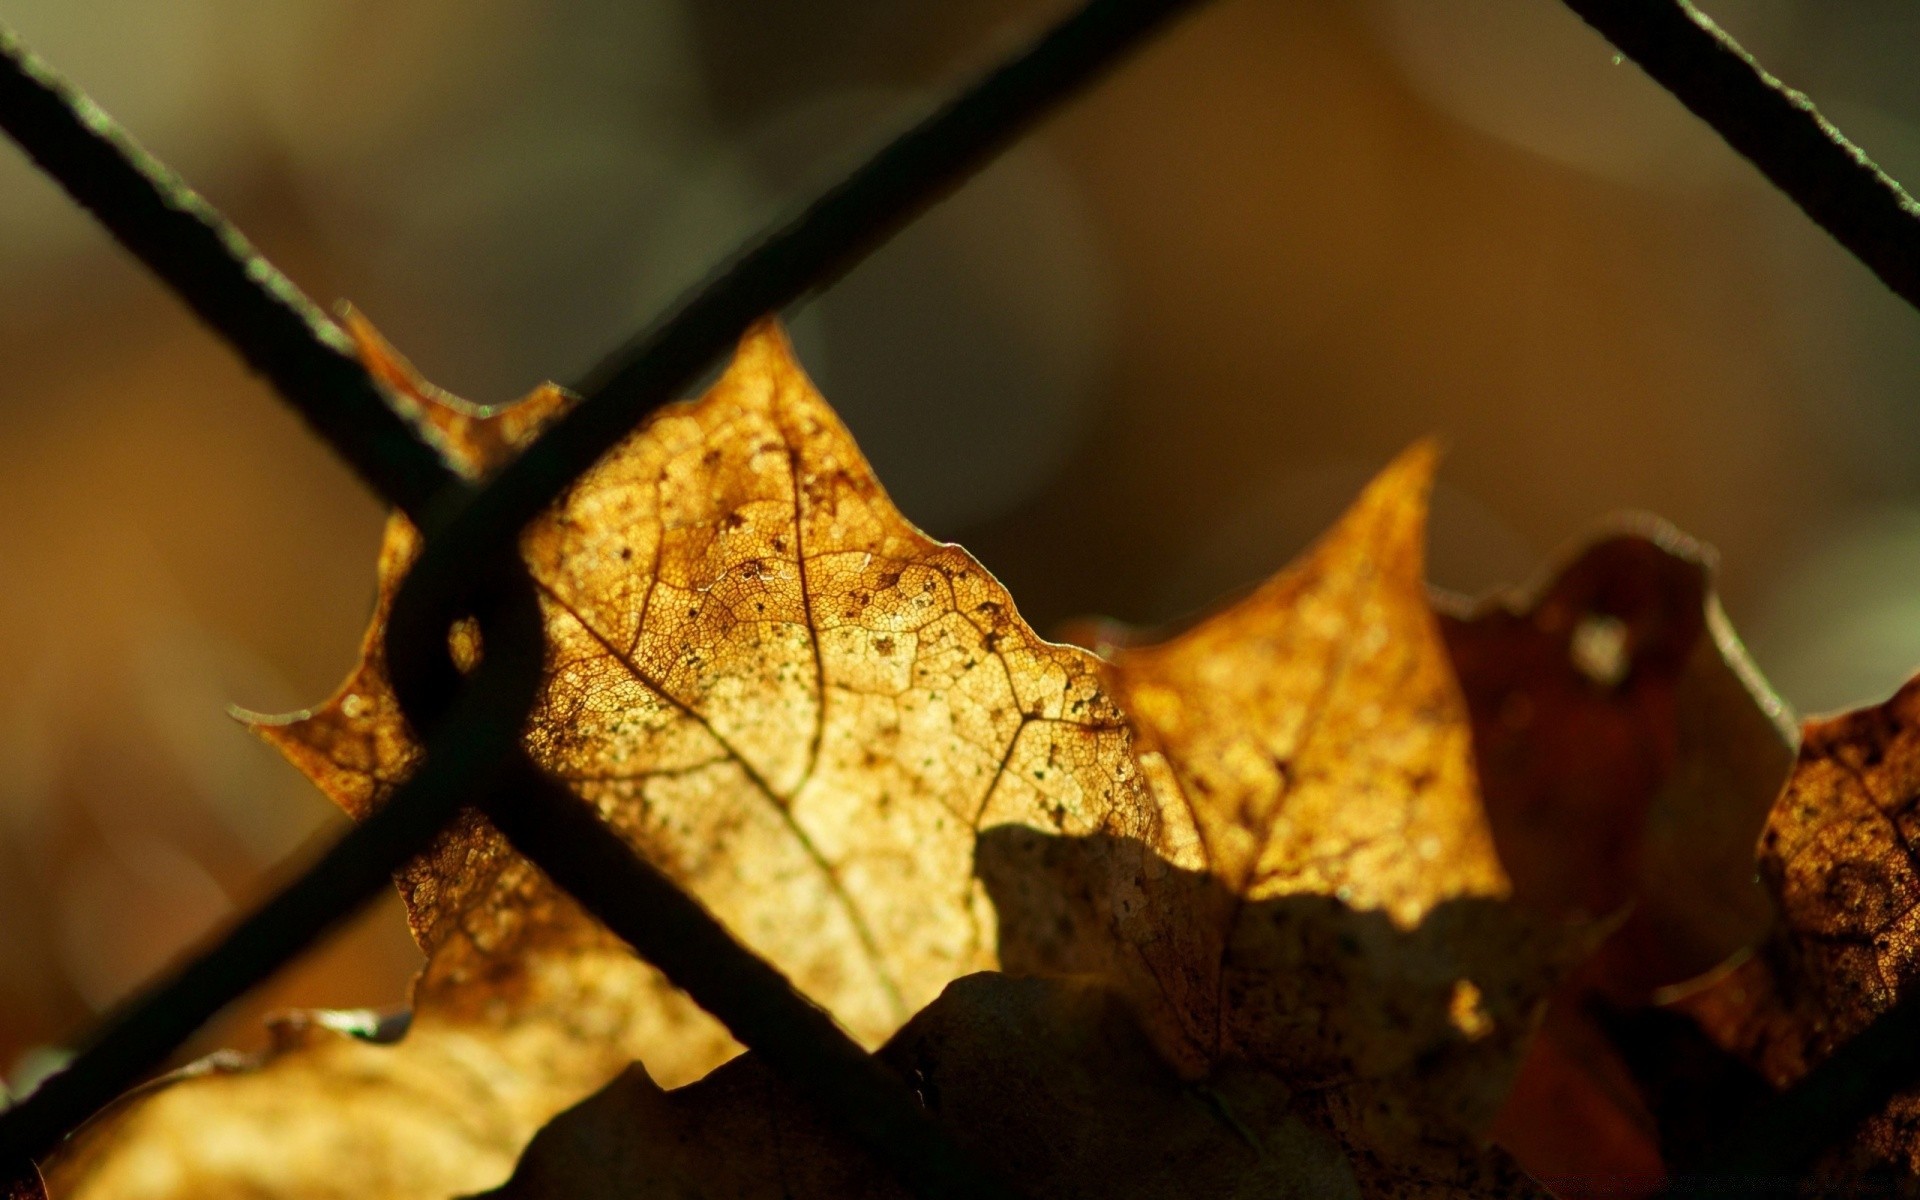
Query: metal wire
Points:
[1776, 128]
[182, 239]
[482, 729]
[803, 254]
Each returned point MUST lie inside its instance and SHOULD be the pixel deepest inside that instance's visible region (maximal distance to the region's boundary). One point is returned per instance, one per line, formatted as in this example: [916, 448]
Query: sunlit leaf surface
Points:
[1264, 837]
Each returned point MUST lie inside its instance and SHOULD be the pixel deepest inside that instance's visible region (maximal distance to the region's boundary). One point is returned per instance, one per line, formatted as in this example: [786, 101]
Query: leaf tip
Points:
[1410, 476]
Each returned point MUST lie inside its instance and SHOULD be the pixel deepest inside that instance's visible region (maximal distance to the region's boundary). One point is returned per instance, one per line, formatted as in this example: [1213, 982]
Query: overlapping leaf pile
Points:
[1273, 907]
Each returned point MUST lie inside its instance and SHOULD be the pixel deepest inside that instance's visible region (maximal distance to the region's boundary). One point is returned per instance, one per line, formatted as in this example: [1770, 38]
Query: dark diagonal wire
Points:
[482, 729]
[1776, 128]
[855, 1091]
[183, 240]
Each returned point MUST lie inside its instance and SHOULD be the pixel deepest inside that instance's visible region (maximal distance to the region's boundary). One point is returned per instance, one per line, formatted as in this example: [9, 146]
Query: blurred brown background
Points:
[1135, 365]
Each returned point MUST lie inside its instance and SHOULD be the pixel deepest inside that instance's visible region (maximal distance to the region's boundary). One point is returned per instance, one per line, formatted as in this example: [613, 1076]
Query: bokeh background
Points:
[1135, 365]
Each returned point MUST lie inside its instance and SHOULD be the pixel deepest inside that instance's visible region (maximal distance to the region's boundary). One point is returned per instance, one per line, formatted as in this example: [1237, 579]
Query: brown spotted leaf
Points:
[771, 685]
[1837, 858]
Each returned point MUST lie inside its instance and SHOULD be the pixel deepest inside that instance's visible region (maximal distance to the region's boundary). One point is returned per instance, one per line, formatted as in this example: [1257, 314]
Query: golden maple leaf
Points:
[839, 735]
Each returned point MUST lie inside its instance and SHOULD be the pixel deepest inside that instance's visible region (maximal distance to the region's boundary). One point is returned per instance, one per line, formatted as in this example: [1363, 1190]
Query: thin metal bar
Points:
[482, 729]
[806, 253]
[567, 839]
[1776, 128]
[183, 240]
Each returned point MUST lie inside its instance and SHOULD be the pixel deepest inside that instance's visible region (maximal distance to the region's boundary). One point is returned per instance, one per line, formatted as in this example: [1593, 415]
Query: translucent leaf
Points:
[1264, 836]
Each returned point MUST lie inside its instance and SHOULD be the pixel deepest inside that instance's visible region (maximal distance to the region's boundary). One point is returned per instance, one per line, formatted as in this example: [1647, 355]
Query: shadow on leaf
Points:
[1345, 1056]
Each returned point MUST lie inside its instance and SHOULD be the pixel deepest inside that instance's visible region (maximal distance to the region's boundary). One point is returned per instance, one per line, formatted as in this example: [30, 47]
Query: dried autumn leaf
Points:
[1837, 859]
[1358, 1012]
[1328, 903]
[771, 684]
[1628, 749]
[524, 1006]
[1629, 753]
[820, 722]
